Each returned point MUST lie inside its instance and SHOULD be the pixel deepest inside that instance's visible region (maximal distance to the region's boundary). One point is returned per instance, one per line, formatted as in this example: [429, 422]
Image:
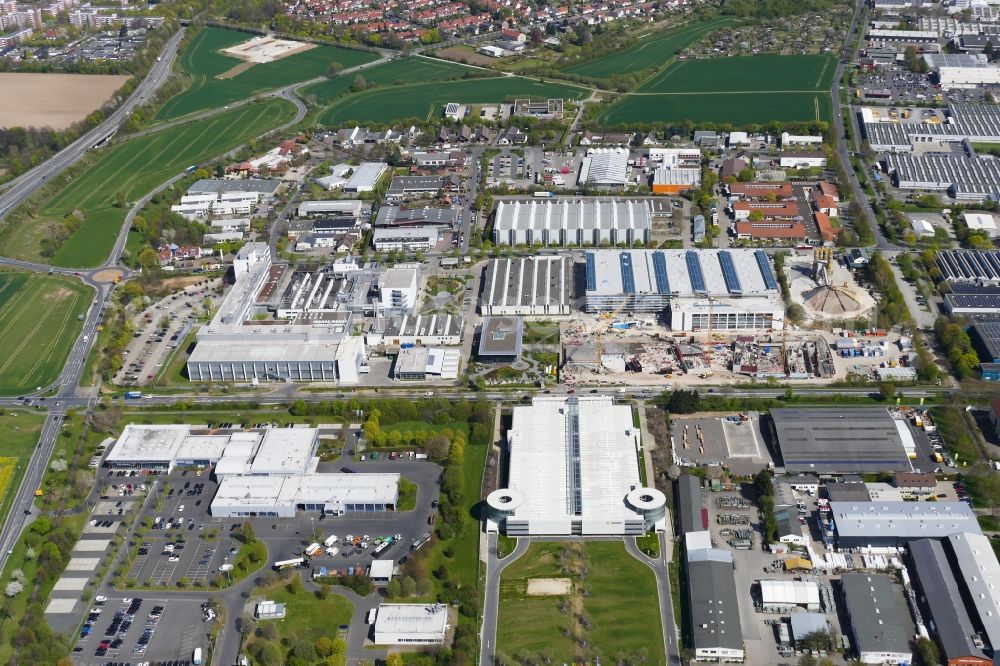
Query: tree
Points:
[394, 659]
[359, 84]
[887, 391]
[683, 401]
[393, 590]
[13, 588]
[299, 408]
[324, 646]
[247, 532]
[408, 587]
[148, 260]
[927, 652]
[795, 313]
[333, 69]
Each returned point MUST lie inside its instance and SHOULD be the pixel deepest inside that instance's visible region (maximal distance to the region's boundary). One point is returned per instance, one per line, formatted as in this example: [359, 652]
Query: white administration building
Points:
[410, 624]
[269, 472]
[736, 288]
[573, 469]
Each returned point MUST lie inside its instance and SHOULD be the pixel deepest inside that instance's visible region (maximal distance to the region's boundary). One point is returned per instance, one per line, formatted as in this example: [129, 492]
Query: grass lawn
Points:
[134, 168]
[422, 101]
[745, 74]
[652, 50]
[307, 617]
[617, 585]
[738, 109]
[21, 430]
[419, 426]
[541, 332]
[38, 326]
[204, 63]
[989, 523]
[410, 70]
[407, 495]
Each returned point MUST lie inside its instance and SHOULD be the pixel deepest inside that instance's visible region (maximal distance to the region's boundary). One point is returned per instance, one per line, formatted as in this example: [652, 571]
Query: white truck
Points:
[330, 540]
[314, 550]
[196, 657]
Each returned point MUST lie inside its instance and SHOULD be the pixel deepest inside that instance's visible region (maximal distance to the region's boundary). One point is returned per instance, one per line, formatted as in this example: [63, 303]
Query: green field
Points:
[622, 606]
[203, 62]
[307, 618]
[398, 72]
[737, 109]
[425, 100]
[653, 50]
[746, 74]
[21, 430]
[135, 168]
[38, 326]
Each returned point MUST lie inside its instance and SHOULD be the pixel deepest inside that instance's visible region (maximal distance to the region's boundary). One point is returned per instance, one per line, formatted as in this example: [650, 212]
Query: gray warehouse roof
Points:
[394, 216]
[528, 282]
[969, 265]
[859, 439]
[987, 335]
[404, 184]
[944, 598]
[902, 520]
[875, 613]
[712, 600]
[689, 503]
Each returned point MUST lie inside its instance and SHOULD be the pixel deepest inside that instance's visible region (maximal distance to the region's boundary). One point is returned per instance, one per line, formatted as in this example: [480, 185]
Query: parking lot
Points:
[714, 440]
[153, 344]
[130, 629]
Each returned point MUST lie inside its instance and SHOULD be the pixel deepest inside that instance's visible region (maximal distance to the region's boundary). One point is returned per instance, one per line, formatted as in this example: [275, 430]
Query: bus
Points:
[289, 564]
[382, 547]
[417, 543]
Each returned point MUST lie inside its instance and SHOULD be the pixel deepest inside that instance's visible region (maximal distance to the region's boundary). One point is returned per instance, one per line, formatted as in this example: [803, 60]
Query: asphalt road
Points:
[491, 595]
[667, 620]
[29, 182]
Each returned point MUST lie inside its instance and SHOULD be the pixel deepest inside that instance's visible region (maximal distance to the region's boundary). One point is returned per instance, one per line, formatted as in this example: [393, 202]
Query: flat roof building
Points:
[406, 239]
[420, 330]
[281, 496]
[692, 516]
[402, 187]
[876, 616]
[220, 186]
[740, 283]
[573, 470]
[411, 624]
[365, 176]
[780, 596]
[394, 216]
[894, 524]
[981, 266]
[713, 605]
[540, 285]
[604, 169]
[977, 569]
[500, 339]
[346, 207]
[941, 596]
[986, 339]
[846, 439]
[564, 222]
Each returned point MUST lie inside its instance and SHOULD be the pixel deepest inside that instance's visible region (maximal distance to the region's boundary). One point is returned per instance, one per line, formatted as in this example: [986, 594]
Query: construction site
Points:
[825, 289]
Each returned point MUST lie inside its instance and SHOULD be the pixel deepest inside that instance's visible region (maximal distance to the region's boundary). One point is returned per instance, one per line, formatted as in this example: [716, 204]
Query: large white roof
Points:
[420, 621]
[542, 468]
[978, 567]
[285, 451]
[140, 443]
[329, 489]
[789, 593]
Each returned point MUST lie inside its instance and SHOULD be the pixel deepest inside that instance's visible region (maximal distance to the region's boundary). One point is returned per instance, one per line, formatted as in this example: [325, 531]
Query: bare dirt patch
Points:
[107, 276]
[549, 587]
[173, 284]
[236, 71]
[466, 55]
[53, 100]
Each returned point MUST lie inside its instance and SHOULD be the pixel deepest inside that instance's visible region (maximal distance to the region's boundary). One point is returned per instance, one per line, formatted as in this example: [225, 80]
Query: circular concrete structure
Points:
[503, 502]
[649, 502]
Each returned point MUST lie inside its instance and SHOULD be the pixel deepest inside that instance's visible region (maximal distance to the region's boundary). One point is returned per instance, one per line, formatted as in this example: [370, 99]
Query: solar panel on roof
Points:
[591, 272]
[628, 278]
[660, 270]
[694, 272]
[765, 269]
[729, 273]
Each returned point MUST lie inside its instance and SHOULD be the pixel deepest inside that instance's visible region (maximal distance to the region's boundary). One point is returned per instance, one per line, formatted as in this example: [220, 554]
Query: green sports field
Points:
[203, 62]
[425, 100]
[621, 605]
[135, 168]
[414, 69]
[652, 50]
[737, 109]
[38, 326]
[746, 74]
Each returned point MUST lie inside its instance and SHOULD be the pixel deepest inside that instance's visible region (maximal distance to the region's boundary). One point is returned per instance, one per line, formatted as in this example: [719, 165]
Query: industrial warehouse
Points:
[572, 222]
[269, 472]
[281, 323]
[573, 470]
[848, 440]
[540, 286]
[975, 123]
[894, 524]
[699, 290]
[712, 598]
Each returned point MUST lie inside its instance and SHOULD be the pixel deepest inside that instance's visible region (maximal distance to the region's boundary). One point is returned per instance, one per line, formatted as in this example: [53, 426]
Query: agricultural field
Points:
[38, 326]
[532, 620]
[133, 169]
[415, 69]
[206, 66]
[652, 50]
[745, 74]
[426, 100]
[734, 108]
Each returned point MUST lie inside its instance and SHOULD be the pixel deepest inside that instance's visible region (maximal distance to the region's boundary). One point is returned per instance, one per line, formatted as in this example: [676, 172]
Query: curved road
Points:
[29, 182]
[491, 596]
[668, 623]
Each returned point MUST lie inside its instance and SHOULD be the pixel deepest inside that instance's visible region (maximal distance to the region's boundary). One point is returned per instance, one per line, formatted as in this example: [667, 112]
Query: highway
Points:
[29, 182]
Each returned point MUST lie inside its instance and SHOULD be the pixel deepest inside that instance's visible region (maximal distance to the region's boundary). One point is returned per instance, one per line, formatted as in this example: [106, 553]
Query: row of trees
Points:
[958, 347]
